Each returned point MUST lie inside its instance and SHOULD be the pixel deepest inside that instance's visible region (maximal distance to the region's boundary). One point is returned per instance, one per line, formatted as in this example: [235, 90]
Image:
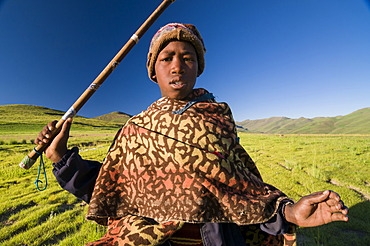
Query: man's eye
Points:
[166, 59]
[188, 59]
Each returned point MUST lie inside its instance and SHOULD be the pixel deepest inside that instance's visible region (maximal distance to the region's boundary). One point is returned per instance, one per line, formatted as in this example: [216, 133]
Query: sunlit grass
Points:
[296, 164]
[302, 164]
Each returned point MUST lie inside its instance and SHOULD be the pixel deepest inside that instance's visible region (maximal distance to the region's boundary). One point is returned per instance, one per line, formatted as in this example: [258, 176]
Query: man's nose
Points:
[177, 66]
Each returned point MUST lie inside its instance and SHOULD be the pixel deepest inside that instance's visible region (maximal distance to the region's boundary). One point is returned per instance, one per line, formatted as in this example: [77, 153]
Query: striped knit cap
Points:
[175, 32]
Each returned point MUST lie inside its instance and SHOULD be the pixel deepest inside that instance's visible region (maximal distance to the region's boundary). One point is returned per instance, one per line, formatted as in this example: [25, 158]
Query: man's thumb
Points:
[66, 127]
[319, 197]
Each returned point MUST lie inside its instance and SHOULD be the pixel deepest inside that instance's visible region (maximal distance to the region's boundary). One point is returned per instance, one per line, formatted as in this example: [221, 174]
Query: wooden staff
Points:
[31, 158]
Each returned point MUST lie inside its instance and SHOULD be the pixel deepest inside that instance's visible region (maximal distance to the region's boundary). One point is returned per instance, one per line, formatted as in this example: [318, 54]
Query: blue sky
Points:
[305, 58]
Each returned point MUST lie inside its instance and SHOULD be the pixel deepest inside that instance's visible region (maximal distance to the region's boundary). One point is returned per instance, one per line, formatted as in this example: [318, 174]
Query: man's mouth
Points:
[177, 84]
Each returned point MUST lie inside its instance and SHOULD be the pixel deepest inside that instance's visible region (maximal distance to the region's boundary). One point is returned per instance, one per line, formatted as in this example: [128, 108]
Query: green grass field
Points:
[301, 164]
[297, 164]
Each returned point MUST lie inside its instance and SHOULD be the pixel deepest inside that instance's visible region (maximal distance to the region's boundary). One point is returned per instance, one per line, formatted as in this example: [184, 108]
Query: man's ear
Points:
[154, 77]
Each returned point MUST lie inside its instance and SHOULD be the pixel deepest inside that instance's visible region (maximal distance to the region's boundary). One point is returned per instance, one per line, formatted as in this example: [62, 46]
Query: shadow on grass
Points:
[58, 210]
[58, 237]
[7, 214]
[354, 232]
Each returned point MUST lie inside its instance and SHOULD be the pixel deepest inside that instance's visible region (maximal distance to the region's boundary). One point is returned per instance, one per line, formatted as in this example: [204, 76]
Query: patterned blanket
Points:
[165, 169]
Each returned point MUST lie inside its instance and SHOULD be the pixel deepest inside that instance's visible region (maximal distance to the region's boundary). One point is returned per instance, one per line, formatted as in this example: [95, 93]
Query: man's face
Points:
[176, 69]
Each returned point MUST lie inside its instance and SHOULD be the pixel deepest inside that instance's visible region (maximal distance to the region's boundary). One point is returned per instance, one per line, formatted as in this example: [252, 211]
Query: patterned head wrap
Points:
[175, 32]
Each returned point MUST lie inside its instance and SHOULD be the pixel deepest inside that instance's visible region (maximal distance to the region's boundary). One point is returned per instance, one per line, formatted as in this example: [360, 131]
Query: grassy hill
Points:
[28, 118]
[118, 117]
[357, 122]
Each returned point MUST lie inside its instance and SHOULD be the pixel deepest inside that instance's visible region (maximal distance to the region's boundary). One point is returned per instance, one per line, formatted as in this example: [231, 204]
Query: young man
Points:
[176, 173]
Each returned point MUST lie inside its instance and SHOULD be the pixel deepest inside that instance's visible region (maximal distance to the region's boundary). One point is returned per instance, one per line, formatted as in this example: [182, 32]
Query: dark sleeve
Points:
[277, 224]
[76, 175]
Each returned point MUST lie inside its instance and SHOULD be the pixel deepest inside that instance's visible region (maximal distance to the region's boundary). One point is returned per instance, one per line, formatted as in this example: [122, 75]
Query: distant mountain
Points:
[357, 122]
[118, 117]
[25, 118]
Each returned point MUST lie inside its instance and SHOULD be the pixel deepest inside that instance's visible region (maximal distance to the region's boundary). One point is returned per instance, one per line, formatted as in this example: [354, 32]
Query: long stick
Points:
[31, 158]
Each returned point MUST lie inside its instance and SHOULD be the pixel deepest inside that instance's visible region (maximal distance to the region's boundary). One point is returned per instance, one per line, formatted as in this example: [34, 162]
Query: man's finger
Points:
[339, 217]
[334, 195]
[51, 125]
[334, 201]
